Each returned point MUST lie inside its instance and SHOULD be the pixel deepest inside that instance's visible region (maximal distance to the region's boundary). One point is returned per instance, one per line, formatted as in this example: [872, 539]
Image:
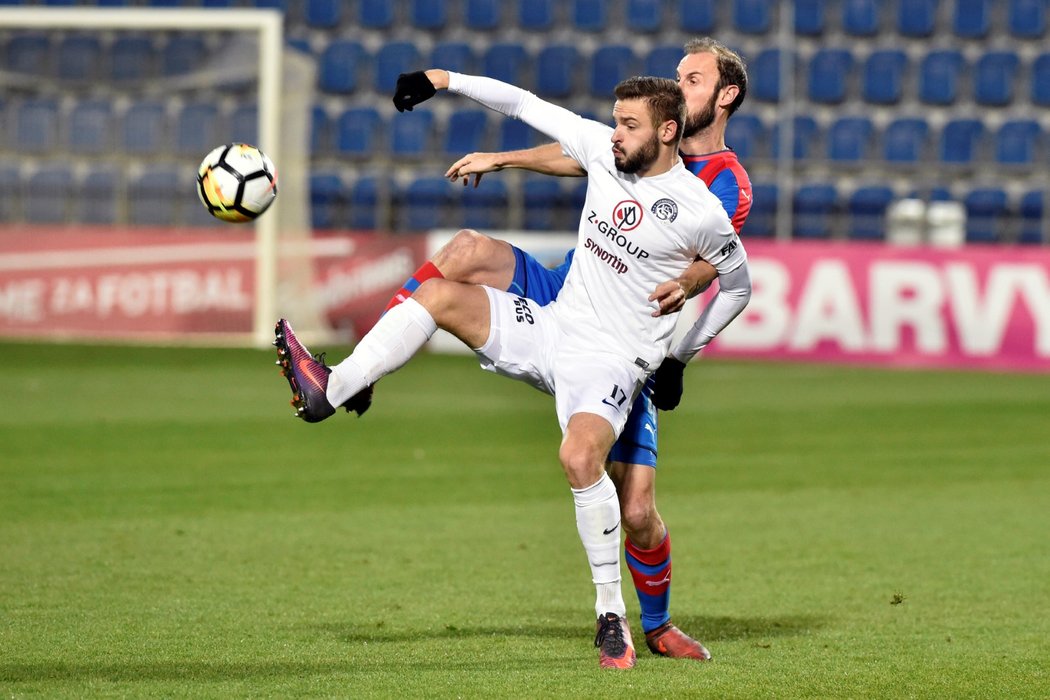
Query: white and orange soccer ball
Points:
[237, 182]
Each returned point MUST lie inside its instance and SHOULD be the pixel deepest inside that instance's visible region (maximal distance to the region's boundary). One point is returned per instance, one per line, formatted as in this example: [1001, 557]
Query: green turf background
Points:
[167, 529]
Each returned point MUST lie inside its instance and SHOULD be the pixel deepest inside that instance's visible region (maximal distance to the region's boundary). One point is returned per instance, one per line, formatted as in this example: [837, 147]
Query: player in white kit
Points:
[645, 220]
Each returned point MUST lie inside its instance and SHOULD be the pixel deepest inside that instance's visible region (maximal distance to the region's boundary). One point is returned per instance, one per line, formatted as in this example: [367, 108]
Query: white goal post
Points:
[267, 25]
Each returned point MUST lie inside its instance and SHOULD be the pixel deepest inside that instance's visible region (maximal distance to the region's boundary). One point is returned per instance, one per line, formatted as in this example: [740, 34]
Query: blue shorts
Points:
[637, 442]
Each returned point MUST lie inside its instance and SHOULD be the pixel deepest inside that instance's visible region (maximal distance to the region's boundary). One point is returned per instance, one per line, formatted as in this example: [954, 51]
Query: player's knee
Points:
[582, 465]
[463, 256]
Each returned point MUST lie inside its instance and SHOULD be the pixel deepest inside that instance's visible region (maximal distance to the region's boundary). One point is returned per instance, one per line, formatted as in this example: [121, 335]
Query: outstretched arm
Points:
[546, 160]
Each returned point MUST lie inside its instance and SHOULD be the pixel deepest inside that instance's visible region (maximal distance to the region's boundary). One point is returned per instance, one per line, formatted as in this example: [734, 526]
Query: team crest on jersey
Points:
[665, 210]
[627, 215]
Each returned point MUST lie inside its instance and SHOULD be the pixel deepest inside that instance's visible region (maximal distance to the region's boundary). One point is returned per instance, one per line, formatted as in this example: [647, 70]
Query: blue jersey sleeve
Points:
[727, 189]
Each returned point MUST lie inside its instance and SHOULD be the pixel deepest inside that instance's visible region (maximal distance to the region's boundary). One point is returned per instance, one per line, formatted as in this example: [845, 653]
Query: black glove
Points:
[412, 88]
[667, 384]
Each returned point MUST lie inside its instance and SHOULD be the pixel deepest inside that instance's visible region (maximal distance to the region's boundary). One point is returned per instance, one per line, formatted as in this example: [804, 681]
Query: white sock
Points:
[598, 522]
[392, 342]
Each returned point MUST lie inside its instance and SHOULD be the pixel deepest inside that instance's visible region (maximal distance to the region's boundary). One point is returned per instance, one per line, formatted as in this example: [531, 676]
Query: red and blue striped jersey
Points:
[726, 178]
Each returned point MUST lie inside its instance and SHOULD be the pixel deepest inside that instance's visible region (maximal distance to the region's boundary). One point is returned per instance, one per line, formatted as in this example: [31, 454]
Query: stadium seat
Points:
[29, 54]
[961, 141]
[90, 128]
[47, 195]
[589, 15]
[861, 17]
[327, 200]
[424, 203]
[662, 61]
[320, 130]
[507, 62]
[809, 17]
[131, 58]
[542, 201]
[815, 209]
[1017, 142]
[762, 219]
[609, 65]
[515, 135]
[695, 17]
[916, 18]
[1033, 228]
[149, 196]
[849, 139]
[867, 212]
[746, 135]
[536, 15]
[96, 197]
[323, 14]
[365, 196]
[644, 16]
[428, 15]
[994, 78]
[457, 56]
[36, 126]
[341, 65]
[411, 133]
[557, 66]
[483, 15]
[752, 16]
[391, 60]
[244, 124]
[986, 211]
[764, 75]
[884, 76]
[485, 207]
[357, 132]
[1041, 80]
[906, 140]
[376, 14]
[805, 137]
[971, 18]
[829, 75]
[939, 77]
[198, 128]
[1026, 19]
[79, 58]
[182, 54]
[466, 131]
[10, 192]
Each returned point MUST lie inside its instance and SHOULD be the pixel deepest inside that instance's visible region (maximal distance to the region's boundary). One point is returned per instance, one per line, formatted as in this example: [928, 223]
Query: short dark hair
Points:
[731, 67]
[664, 97]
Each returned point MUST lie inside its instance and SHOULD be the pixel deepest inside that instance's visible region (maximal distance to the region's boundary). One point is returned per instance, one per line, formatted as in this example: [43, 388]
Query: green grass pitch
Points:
[168, 529]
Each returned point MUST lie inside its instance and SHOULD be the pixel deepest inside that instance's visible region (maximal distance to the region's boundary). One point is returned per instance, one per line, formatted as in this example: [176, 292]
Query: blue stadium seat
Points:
[320, 130]
[357, 132]
[589, 15]
[243, 124]
[815, 209]
[484, 15]
[986, 211]
[47, 195]
[29, 54]
[695, 17]
[365, 196]
[884, 76]
[906, 140]
[323, 14]
[457, 56]
[10, 192]
[762, 219]
[424, 203]
[861, 17]
[609, 65]
[557, 66]
[809, 17]
[376, 14]
[542, 199]
[971, 19]
[1026, 19]
[994, 78]
[805, 137]
[485, 207]
[391, 60]
[961, 141]
[79, 58]
[752, 16]
[1017, 142]
[91, 127]
[1032, 210]
[131, 58]
[328, 194]
[515, 135]
[1041, 80]
[429, 15]
[507, 61]
[746, 135]
[341, 65]
[411, 133]
[662, 61]
[96, 197]
[939, 77]
[867, 212]
[764, 74]
[198, 128]
[466, 131]
[182, 54]
[916, 18]
[849, 139]
[829, 75]
[644, 16]
[36, 126]
[149, 196]
[536, 15]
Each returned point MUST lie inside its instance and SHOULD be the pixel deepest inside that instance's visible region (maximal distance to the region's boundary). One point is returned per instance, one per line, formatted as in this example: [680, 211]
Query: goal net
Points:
[106, 113]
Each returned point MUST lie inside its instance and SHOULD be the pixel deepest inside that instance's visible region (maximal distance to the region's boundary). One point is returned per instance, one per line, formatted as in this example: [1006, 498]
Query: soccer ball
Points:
[236, 182]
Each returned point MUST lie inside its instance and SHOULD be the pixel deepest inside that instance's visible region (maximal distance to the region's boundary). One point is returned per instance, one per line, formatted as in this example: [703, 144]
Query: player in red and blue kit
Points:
[714, 81]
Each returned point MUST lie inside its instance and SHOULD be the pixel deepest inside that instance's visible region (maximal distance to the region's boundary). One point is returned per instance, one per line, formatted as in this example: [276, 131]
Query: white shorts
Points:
[526, 342]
